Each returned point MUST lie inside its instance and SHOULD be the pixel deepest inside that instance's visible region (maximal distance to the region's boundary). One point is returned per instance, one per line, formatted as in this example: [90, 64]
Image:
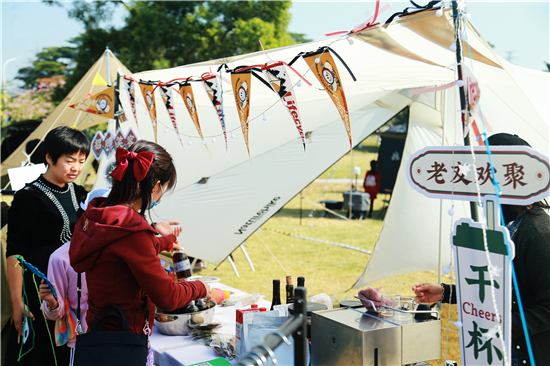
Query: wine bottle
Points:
[276, 293]
[289, 290]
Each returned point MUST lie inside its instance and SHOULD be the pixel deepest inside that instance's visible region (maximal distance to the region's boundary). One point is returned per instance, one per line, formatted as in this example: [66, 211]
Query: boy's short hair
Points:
[65, 140]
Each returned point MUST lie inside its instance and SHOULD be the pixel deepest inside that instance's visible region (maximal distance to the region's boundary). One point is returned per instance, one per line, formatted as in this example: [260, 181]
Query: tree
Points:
[51, 61]
[162, 34]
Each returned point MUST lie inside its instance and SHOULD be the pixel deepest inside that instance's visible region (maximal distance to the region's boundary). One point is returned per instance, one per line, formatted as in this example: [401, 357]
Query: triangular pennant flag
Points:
[212, 87]
[149, 97]
[166, 93]
[241, 90]
[280, 82]
[98, 80]
[101, 104]
[323, 66]
[130, 87]
[186, 92]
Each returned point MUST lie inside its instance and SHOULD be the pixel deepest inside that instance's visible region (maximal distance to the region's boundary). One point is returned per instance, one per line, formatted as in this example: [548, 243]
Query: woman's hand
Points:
[19, 313]
[208, 291]
[46, 294]
[165, 228]
[428, 292]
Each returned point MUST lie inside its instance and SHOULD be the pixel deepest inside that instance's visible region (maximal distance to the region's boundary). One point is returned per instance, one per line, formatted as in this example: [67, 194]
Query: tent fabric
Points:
[223, 196]
[62, 115]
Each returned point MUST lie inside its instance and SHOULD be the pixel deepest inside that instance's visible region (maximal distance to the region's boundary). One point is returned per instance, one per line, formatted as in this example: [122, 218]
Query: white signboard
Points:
[449, 172]
[484, 287]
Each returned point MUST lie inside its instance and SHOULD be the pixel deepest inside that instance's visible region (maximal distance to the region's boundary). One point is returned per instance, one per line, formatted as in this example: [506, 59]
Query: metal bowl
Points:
[181, 324]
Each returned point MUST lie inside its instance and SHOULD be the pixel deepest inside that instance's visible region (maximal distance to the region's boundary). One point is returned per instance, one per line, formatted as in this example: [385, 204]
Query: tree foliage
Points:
[162, 34]
[51, 61]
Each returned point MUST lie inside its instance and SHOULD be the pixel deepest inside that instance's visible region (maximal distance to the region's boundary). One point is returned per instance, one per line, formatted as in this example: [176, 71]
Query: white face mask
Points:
[153, 203]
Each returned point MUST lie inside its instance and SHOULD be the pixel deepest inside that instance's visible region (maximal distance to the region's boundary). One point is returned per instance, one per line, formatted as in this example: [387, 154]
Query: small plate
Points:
[206, 279]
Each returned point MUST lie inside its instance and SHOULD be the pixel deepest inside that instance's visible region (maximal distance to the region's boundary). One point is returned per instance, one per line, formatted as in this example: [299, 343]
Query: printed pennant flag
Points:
[326, 72]
[101, 104]
[213, 89]
[166, 93]
[130, 86]
[186, 92]
[241, 82]
[279, 80]
[149, 97]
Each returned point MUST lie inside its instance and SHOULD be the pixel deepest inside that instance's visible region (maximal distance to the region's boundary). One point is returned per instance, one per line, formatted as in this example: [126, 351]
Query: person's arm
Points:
[535, 259]
[20, 218]
[15, 281]
[378, 182]
[365, 182]
[58, 275]
[138, 251]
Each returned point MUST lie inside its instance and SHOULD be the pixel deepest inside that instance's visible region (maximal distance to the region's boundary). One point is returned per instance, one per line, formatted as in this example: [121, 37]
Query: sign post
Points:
[483, 251]
[484, 287]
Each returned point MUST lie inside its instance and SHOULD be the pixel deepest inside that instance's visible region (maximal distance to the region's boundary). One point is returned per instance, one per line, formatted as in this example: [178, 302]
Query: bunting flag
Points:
[149, 97]
[101, 104]
[186, 92]
[323, 66]
[98, 80]
[241, 82]
[166, 93]
[213, 89]
[130, 86]
[279, 80]
[107, 144]
[472, 93]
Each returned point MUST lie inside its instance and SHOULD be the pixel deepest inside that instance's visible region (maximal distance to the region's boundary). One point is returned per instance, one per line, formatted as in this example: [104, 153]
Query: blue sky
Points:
[520, 31]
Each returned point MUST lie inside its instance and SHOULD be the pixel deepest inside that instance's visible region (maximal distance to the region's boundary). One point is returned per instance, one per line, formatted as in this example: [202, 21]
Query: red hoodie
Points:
[118, 250]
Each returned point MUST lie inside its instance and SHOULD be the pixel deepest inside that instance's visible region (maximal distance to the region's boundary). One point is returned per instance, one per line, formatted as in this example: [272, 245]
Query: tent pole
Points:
[463, 105]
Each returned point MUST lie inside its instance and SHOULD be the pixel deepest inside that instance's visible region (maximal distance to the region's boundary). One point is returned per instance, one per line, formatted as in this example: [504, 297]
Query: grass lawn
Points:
[327, 268]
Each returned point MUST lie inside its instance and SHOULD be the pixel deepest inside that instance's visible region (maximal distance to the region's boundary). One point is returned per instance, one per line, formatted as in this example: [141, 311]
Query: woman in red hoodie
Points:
[118, 249]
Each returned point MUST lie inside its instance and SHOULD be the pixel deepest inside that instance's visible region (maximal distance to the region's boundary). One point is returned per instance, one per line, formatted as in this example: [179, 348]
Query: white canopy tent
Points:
[223, 196]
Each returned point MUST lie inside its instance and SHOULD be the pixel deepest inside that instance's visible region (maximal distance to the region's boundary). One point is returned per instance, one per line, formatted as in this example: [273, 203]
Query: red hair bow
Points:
[142, 163]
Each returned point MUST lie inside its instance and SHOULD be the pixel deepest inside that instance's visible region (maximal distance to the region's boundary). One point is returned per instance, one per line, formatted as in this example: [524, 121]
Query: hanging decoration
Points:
[98, 80]
[213, 89]
[130, 86]
[278, 78]
[186, 92]
[241, 83]
[472, 94]
[147, 89]
[106, 144]
[166, 93]
[100, 104]
[323, 66]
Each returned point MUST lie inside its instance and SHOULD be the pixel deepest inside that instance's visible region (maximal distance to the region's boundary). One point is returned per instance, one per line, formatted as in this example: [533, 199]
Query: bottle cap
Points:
[263, 309]
[289, 280]
[254, 306]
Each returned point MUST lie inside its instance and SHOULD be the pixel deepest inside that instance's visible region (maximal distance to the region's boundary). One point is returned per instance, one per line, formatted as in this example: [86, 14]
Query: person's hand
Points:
[176, 246]
[19, 312]
[208, 291]
[165, 228]
[372, 294]
[46, 294]
[428, 292]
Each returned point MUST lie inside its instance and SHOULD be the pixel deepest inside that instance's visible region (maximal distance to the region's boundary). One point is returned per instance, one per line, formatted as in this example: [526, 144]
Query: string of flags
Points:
[273, 74]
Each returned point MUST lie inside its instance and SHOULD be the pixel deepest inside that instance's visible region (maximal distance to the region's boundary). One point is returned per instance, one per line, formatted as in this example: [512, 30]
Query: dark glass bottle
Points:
[289, 290]
[276, 293]
[301, 282]
[182, 267]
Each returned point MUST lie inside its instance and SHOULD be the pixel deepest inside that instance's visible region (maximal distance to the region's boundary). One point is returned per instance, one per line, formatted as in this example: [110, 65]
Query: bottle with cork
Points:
[289, 290]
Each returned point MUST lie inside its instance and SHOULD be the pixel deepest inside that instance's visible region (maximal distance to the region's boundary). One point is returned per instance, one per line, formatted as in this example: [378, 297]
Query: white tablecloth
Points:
[183, 350]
